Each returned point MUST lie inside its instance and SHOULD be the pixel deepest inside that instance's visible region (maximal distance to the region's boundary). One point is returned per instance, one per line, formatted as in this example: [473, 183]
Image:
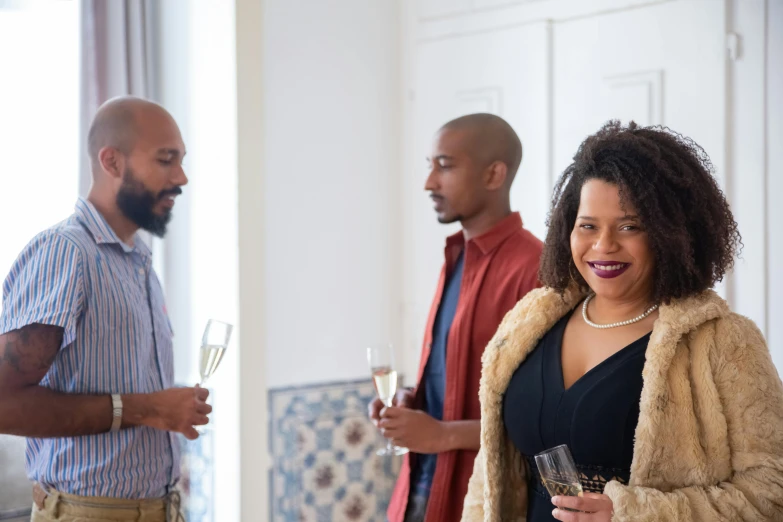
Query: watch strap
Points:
[116, 404]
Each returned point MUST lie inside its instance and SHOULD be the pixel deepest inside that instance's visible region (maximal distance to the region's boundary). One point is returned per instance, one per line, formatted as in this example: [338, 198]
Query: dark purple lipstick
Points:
[608, 269]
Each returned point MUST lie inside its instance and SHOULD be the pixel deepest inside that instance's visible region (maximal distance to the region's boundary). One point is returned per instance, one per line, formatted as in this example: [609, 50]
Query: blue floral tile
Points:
[323, 447]
[324, 438]
[355, 471]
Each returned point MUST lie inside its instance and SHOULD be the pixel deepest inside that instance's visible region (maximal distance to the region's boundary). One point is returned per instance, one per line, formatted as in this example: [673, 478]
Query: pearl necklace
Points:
[614, 325]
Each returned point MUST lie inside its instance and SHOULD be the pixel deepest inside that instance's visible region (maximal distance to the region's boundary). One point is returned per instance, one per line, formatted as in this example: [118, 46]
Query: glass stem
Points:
[389, 446]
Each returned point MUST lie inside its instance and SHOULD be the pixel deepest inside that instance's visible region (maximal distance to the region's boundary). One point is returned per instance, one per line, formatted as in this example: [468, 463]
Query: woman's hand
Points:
[593, 507]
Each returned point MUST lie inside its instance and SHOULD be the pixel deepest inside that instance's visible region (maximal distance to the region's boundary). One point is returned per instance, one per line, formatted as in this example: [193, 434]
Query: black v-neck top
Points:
[596, 417]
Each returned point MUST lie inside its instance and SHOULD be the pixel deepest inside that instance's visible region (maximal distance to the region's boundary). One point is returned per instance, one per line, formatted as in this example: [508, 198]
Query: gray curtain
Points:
[118, 58]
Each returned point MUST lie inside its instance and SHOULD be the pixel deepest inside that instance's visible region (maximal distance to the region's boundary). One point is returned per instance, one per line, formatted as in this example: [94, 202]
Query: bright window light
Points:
[39, 119]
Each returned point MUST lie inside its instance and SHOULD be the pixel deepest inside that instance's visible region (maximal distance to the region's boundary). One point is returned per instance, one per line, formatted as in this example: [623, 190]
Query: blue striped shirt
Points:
[117, 339]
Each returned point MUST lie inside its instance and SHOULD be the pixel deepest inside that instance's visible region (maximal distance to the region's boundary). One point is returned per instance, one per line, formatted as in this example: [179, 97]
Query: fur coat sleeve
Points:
[751, 394]
[473, 508]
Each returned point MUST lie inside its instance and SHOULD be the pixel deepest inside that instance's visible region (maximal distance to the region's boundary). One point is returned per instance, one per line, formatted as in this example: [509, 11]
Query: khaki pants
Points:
[53, 506]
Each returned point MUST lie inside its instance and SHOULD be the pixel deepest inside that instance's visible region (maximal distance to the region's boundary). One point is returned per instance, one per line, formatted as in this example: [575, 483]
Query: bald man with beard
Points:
[489, 266]
[86, 360]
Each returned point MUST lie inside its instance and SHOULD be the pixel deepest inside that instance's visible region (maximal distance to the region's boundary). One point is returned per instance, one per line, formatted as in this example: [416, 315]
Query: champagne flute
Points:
[384, 376]
[213, 347]
[558, 472]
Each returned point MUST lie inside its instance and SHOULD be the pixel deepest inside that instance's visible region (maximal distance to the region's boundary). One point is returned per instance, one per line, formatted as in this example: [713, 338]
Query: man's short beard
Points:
[449, 221]
[138, 203]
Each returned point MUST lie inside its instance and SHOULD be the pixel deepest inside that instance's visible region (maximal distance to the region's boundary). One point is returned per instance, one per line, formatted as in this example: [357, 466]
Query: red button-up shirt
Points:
[501, 266]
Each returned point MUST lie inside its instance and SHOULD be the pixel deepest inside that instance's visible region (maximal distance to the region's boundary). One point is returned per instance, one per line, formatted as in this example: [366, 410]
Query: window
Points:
[39, 119]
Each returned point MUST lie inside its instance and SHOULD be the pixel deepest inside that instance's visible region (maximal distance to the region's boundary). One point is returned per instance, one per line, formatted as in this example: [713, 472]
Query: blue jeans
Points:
[417, 508]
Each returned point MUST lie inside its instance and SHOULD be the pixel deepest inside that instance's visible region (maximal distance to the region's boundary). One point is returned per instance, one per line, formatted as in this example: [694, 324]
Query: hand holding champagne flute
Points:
[384, 376]
[561, 479]
[558, 472]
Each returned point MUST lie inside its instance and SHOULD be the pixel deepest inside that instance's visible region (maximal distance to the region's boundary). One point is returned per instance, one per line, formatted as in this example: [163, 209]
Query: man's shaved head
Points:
[116, 124]
[472, 165]
[136, 151]
[490, 139]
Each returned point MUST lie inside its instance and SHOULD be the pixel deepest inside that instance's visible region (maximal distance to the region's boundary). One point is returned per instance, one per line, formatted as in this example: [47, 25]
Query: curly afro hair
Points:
[669, 180]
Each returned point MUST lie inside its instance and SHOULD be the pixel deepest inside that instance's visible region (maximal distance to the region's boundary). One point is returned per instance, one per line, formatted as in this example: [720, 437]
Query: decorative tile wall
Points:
[323, 450]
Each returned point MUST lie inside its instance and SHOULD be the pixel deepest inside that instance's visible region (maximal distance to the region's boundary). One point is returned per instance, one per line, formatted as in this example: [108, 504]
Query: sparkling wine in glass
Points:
[384, 376]
[213, 347]
[558, 472]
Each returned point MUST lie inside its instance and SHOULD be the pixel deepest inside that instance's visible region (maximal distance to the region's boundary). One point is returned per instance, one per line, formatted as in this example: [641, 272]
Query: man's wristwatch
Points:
[116, 404]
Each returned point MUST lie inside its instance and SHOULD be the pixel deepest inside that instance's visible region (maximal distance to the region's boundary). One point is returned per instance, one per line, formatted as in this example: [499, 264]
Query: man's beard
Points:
[449, 220]
[137, 203]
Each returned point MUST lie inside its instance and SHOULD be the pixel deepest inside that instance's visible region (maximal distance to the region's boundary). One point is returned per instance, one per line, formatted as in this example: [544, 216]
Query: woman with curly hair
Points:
[668, 401]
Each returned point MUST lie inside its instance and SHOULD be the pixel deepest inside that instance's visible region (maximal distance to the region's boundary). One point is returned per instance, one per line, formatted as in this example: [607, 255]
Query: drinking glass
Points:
[558, 472]
[384, 376]
[213, 347]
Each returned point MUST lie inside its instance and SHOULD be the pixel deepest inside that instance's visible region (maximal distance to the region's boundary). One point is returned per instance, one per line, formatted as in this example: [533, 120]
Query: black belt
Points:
[592, 478]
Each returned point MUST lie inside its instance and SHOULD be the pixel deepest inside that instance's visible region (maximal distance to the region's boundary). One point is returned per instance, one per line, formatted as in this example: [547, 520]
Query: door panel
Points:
[659, 65]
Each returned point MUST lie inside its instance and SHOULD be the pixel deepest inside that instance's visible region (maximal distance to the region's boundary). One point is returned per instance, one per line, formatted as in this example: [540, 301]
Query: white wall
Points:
[253, 442]
[317, 97]
[331, 88]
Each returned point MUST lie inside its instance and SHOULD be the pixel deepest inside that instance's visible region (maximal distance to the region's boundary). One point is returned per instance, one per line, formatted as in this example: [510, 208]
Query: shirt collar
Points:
[101, 232]
[489, 240]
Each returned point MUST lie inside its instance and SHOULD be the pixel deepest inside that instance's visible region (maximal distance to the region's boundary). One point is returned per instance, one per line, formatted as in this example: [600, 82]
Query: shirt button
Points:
[141, 271]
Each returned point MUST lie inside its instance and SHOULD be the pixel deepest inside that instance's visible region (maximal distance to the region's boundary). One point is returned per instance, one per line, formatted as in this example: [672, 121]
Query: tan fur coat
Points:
[709, 443]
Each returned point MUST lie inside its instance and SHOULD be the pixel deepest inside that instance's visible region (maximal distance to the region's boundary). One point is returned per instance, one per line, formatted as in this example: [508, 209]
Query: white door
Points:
[659, 65]
[556, 72]
[499, 72]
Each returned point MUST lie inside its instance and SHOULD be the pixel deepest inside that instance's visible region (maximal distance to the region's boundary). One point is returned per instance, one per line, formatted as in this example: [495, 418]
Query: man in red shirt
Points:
[490, 265]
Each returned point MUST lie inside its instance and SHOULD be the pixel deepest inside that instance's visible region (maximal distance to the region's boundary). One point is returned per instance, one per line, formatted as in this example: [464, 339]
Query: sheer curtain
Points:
[118, 52]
